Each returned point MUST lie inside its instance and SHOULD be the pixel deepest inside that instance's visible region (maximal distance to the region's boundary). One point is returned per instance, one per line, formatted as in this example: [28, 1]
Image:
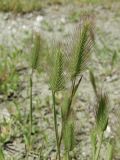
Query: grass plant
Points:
[77, 64]
[9, 78]
[35, 66]
[57, 84]
[101, 116]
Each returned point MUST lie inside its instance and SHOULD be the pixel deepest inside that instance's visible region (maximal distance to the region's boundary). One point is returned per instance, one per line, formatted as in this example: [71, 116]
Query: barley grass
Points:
[77, 64]
[35, 59]
[101, 116]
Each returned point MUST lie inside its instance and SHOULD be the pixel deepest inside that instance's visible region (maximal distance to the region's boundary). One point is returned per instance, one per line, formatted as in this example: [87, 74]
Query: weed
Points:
[35, 66]
[9, 78]
[77, 64]
[101, 116]
[57, 84]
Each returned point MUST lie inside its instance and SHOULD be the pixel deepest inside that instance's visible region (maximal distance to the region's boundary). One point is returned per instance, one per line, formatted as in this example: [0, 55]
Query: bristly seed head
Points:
[57, 77]
[81, 50]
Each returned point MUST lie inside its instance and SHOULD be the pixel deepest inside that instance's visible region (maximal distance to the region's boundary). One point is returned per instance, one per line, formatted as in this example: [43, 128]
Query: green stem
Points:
[71, 97]
[67, 157]
[31, 106]
[69, 106]
[99, 146]
[56, 126]
[73, 91]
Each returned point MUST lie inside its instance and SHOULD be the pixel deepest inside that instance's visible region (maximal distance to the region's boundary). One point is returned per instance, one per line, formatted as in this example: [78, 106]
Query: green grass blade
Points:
[93, 82]
[68, 135]
[110, 152]
[2, 157]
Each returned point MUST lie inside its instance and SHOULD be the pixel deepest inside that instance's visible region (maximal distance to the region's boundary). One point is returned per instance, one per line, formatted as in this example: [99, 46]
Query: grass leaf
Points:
[94, 140]
[68, 135]
[2, 157]
[93, 82]
[110, 152]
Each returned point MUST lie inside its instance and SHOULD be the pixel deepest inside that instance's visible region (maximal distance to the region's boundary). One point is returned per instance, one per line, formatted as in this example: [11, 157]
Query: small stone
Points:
[108, 132]
[63, 20]
[39, 18]
[24, 27]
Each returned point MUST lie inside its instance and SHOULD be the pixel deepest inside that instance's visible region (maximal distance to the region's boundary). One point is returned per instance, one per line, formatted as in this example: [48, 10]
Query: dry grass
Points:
[20, 5]
[25, 6]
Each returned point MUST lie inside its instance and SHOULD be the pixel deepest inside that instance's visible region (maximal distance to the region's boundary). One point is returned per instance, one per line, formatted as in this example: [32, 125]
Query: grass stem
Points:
[55, 125]
[99, 146]
[31, 106]
[73, 91]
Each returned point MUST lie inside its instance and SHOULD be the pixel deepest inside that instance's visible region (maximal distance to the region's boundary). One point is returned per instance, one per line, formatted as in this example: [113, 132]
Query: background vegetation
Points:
[52, 103]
